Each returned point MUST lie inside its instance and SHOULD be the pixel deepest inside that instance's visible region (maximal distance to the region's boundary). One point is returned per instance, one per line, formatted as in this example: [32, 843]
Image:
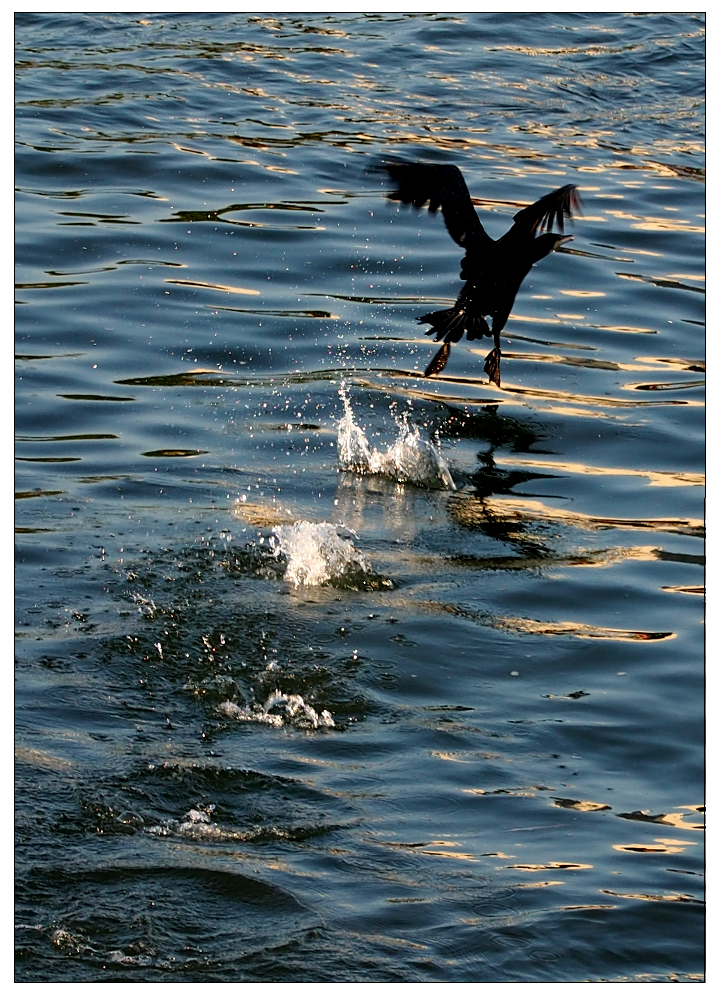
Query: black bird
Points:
[492, 269]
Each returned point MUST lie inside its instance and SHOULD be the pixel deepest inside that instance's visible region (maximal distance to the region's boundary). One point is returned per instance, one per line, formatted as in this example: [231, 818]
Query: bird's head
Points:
[547, 243]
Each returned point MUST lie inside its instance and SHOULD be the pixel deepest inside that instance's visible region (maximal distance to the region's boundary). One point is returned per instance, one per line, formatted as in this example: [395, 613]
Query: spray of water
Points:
[412, 458]
[316, 553]
[279, 709]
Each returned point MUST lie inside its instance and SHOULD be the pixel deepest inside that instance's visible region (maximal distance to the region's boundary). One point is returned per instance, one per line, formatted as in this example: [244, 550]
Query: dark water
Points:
[507, 783]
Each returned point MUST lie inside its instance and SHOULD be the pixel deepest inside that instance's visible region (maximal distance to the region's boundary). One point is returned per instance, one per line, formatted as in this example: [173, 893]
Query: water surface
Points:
[326, 671]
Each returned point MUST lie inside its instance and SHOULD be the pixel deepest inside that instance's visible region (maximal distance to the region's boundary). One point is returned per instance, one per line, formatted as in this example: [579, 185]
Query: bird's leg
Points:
[492, 367]
[438, 362]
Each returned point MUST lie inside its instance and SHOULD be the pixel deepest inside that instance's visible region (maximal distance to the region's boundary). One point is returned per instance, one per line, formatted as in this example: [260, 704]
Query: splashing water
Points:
[195, 823]
[412, 458]
[316, 553]
[292, 707]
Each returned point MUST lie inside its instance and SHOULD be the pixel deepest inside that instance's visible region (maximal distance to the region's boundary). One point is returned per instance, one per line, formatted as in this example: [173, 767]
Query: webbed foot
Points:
[492, 366]
[438, 362]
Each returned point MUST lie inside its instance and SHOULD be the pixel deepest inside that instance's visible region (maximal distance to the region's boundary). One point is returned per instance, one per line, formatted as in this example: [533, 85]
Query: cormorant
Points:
[492, 269]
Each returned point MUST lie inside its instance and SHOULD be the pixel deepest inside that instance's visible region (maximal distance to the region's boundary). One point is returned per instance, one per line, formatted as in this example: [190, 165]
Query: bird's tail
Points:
[446, 324]
[450, 324]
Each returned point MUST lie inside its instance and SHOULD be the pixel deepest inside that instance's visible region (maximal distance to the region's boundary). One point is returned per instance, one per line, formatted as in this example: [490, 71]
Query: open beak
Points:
[561, 240]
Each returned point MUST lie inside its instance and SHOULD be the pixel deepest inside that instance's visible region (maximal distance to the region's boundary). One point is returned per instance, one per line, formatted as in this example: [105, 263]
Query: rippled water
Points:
[326, 671]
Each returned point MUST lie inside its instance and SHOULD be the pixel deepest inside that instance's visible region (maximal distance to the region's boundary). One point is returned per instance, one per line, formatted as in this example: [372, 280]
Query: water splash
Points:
[412, 458]
[195, 823]
[278, 709]
[316, 553]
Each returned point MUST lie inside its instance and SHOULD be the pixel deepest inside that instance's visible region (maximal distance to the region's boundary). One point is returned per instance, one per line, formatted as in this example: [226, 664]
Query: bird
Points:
[493, 270]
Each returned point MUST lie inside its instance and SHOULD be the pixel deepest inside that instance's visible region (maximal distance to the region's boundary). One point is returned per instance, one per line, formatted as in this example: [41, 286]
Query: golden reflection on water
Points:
[656, 224]
[459, 855]
[286, 170]
[537, 885]
[433, 847]
[206, 284]
[592, 559]
[39, 758]
[622, 329]
[591, 401]
[660, 282]
[557, 320]
[472, 512]
[572, 360]
[571, 865]
[591, 906]
[653, 897]
[518, 793]
[580, 630]
[675, 819]
[455, 758]
[288, 313]
[579, 805]
[663, 386]
[572, 402]
[399, 119]
[667, 479]
[675, 364]
[660, 845]
[262, 514]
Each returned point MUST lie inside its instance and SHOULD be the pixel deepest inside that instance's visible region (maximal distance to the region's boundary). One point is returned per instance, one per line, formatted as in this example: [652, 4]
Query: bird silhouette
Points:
[492, 269]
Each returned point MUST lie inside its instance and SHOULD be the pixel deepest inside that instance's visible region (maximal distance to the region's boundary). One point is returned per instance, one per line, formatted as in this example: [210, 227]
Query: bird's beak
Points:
[561, 240]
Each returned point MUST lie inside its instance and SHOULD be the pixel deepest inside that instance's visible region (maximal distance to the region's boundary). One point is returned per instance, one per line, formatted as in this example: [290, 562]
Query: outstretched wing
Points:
[553, 207]
[442, 187]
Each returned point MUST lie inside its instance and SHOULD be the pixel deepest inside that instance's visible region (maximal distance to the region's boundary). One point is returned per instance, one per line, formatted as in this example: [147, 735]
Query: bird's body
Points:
[492, 269]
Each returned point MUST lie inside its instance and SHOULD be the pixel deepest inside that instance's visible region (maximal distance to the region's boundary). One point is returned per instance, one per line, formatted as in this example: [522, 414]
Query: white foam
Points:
[412, 458]
[195, 823]
[195, 816]
[316, 552]
[122, 959]
[293, 708]
[248, 714]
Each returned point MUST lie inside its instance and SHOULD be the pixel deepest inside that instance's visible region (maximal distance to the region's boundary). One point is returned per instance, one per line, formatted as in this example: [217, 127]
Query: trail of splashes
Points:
[316, 553]
[292, 708]
[412, 458]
